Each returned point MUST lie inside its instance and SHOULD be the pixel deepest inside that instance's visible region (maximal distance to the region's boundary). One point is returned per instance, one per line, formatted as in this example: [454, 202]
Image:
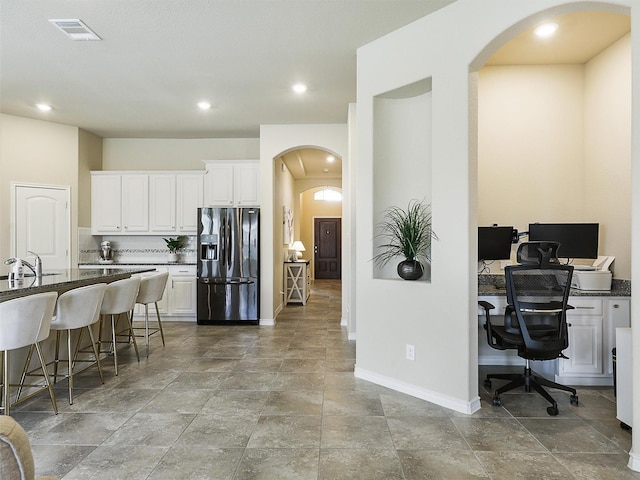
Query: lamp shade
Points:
[298, 246]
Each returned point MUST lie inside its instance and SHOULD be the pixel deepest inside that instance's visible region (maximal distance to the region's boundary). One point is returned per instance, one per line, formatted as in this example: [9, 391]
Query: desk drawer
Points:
[585, 306]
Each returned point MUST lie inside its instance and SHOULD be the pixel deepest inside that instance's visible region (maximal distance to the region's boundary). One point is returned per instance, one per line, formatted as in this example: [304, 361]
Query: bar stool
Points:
[119, 299]
[151, 291]
[25, 321]
[78, 309]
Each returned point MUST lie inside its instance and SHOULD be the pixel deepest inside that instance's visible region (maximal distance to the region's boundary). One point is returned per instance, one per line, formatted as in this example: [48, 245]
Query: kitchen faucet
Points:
[37, 270]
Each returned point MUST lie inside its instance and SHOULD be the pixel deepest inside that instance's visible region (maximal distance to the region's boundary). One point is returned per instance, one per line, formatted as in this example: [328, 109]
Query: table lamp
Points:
[299, 248]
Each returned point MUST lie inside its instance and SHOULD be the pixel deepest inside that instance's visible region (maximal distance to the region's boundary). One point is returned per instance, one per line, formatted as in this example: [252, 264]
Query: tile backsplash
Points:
[131, 249]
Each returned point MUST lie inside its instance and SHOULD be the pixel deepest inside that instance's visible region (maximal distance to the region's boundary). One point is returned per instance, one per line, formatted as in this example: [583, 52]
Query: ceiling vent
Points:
[75, 29]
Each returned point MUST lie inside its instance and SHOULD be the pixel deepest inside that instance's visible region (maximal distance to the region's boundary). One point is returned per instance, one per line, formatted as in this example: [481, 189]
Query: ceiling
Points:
[158, 58]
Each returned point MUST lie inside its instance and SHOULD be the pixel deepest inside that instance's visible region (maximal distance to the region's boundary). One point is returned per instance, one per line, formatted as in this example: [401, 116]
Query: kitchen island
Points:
[62, 280]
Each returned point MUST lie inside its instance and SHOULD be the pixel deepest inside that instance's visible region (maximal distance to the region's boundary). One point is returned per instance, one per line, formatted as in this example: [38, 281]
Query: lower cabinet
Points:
[182, 290]
[592, 336]
[179, 300]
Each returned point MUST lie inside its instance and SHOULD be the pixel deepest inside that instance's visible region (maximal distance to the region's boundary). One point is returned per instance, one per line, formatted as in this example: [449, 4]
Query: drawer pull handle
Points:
[585, 308]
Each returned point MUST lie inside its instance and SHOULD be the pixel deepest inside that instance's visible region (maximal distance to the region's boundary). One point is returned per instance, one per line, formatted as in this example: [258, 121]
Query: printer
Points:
[596, 277]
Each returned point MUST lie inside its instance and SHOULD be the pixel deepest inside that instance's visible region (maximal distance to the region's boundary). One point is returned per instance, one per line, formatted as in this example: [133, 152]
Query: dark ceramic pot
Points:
[410, 270]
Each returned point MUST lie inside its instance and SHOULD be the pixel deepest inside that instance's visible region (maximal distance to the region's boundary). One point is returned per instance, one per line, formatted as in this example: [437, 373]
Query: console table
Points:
[297, 282]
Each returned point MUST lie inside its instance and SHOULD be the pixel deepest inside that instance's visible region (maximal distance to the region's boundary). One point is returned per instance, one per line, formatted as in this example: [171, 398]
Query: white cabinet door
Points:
[219, 183]
[232, 184]
[106, 204]
[182, 290]
[135, 203]
[162, 204]
[585, 337]
[246, 184]
[190, 196]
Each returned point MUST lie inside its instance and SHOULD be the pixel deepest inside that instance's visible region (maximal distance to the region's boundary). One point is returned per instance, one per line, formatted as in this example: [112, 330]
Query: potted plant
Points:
[406, 234]
[175, 244]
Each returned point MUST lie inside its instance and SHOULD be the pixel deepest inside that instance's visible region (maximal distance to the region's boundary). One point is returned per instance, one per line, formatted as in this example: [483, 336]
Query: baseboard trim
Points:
[352, 336]
[419, 392]
[634, 462]
[267, 322]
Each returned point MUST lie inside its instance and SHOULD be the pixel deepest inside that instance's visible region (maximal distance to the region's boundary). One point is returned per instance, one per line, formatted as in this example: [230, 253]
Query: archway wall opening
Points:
[279, 193]
[438, 318]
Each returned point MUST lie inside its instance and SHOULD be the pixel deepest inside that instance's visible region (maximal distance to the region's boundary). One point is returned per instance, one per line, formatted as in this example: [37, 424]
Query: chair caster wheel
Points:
[553, 411]
[496, 402]
[487, 383]
[574, 399]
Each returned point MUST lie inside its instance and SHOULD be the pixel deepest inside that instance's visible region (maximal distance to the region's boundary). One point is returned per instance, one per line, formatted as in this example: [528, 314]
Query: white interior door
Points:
[41, 224]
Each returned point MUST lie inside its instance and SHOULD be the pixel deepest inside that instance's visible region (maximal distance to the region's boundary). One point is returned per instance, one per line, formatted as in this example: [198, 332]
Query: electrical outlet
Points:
[411, 352]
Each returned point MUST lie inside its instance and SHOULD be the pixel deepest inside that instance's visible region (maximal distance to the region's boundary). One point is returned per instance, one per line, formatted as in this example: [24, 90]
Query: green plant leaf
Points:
[405, 233]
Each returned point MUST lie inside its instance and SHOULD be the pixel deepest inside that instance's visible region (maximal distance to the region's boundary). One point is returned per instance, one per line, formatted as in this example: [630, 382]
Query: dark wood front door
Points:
[327, 261]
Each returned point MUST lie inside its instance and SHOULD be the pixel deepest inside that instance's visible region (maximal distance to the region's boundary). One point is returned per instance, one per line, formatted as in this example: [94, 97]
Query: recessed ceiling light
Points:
[204, 105]
[44, 107]
[299, 88]
[331, 158]
[546, 30]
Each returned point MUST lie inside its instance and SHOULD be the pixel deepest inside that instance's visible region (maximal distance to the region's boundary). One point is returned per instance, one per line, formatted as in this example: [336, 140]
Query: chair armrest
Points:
[486, 306]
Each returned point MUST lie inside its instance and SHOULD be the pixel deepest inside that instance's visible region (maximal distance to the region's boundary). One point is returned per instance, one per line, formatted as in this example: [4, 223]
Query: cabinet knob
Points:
[615, 305]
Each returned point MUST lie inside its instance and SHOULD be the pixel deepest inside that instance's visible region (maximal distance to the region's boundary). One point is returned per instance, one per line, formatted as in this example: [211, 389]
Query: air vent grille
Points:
[75, 29]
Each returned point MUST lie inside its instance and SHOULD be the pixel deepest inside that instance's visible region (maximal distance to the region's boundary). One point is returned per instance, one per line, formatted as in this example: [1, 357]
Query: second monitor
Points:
[494, 243]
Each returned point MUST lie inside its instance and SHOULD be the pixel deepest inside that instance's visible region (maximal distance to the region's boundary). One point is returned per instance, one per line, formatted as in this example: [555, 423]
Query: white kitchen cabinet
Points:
[246, 185]
[145, 203]
[190, 196]
[119, 204]
[106, 204]
[182, 290]
[162, 204]
[232, 183]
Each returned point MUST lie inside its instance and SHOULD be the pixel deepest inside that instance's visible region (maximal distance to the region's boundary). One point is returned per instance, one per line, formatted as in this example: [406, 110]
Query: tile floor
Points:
[282, 403]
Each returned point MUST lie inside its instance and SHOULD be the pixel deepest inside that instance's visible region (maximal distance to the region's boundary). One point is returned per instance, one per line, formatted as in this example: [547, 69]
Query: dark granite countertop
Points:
[62, 280]
[493, 285]
[126, 264]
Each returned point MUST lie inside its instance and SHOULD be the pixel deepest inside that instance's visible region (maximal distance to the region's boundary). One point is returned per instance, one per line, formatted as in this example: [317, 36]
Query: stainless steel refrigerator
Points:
[228, 266]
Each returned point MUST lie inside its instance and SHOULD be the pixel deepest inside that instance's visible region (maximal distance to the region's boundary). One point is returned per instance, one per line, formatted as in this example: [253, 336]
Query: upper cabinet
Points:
[119, 204]
[151, 203]
[232, 183]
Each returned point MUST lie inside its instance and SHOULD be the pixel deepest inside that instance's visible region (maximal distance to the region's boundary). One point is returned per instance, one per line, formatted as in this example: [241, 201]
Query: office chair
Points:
[535, 321]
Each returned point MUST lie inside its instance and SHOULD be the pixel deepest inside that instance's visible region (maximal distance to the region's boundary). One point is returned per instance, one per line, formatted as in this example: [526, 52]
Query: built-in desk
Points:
[593, 323]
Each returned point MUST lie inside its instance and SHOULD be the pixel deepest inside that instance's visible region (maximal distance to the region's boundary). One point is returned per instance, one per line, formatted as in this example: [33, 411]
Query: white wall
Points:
[438, 318]
[607, 194]
[174, 154]
[562, 154]
[275, 140]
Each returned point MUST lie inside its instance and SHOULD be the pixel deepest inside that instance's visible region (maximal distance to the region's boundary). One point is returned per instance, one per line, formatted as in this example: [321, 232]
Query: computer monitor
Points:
[494, 243]
[577, 240]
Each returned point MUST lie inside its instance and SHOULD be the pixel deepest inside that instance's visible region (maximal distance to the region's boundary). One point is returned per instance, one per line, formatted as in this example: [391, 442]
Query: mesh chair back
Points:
[538, 296]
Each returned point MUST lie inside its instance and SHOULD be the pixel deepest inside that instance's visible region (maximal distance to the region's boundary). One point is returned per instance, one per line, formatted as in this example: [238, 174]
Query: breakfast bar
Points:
[62, 280]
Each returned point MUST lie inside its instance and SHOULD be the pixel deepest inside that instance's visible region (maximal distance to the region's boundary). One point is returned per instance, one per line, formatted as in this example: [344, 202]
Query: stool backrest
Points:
[120, 296]
[152, 288]
[79, 307]
[26, 320]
